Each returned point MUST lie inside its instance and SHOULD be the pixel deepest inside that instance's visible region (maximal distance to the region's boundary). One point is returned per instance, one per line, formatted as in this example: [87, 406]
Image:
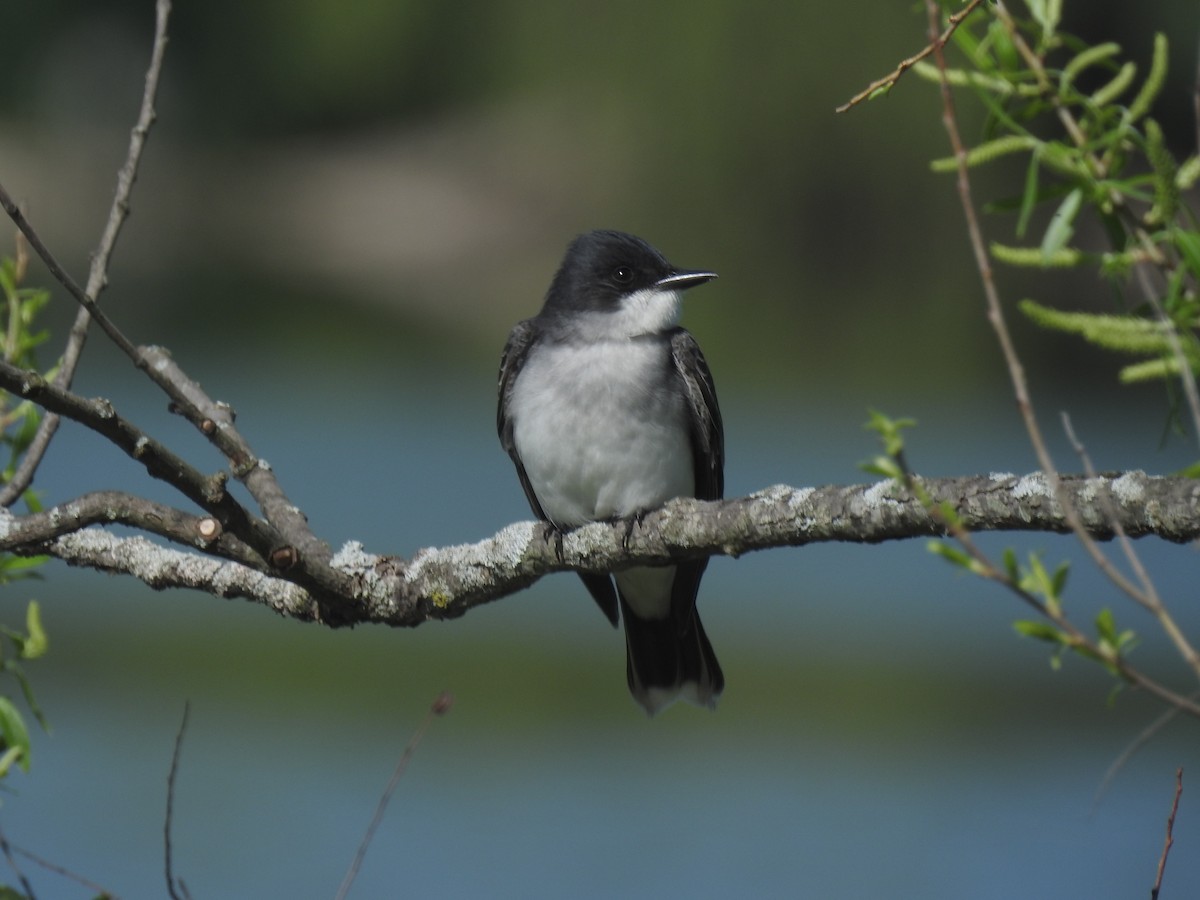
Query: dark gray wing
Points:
[708, 434]
[515, 352]
[511, 363]
[708, 459]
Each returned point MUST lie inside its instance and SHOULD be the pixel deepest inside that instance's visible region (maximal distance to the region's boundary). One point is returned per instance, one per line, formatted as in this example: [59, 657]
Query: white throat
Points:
[650, 311]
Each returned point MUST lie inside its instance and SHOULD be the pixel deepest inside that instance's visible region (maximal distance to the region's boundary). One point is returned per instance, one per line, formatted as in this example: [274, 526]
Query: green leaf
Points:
[1085, 59]
[27, 690]
[881, 91]
[8, 276]
[14, 732]
[1011, 567]
[1154, 81]
[1166, 193]
[1119, 84]
[15, 568]
[1038, 582]
[1003, 48]
[950, 554]
[1058, 583]
[986, 152]
[1029, 197]
[1047, 13]
[1192, 471]
[1127, 334]
[1042, 631]
[36, 643]
[956, 556]
[1062, 225]
[889, 430]
[1188, 243]
[1150, 370]
[883, 466]
[1188, 174]
[10, 756]
[1035, 257]
[965, 78]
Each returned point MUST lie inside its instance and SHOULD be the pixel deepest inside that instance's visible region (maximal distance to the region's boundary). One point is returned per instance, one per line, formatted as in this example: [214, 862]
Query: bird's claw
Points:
[553, 531]
[632, 522]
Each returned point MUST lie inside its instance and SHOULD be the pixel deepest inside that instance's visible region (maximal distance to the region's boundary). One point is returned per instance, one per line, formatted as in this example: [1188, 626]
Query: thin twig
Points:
[1147, 596]
[440, 706]
[995, 311]
[160, 462]
[297, 549]
[98, 274]
[8, 854]
[1141, 740]
[1187, 377]
[936, 43]
[119, 508]
[99, 890]
[172, 882]
[1170, 839]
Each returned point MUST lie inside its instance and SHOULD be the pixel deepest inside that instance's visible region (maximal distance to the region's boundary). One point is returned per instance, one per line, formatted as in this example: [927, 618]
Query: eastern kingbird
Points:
[608, 409]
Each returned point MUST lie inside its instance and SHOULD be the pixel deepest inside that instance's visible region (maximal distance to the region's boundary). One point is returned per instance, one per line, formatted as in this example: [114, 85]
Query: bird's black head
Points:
[610, 272]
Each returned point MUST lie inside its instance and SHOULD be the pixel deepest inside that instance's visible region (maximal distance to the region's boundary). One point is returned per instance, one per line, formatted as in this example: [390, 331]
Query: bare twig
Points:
[440, 706]
[293, 545]
[153, 361]
[118, 508]
[1141, 740]
[215, 421]
[995, 311]
[98, 274]
[8, 854]
[1170, 839]
[101, 892]
[1187, 377]
[298, 552]
[1147, 595]
[175, 887]
[208, 492]
[936, 42]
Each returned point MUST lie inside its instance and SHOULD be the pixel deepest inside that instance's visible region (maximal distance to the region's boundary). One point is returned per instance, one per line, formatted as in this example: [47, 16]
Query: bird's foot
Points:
[631, 522]
[550, 530]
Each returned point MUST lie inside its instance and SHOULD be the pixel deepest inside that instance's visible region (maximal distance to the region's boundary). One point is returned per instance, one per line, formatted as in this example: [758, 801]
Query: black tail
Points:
[669, 660]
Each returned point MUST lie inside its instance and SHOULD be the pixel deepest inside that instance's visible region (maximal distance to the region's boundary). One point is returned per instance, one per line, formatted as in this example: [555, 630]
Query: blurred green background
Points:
[343, 209]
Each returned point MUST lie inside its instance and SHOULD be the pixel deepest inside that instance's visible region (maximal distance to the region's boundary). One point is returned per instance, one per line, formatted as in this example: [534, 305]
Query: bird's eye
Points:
[623, 274]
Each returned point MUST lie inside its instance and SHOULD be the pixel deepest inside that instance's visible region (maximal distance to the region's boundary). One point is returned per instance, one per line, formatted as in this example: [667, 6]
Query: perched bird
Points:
[608, 410]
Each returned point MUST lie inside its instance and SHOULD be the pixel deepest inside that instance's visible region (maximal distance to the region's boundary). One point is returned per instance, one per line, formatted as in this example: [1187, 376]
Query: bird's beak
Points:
[683, 279]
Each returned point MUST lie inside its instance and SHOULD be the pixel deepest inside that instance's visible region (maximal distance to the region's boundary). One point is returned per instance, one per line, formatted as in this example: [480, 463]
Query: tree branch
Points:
[444, 583]
[98, 273]
[116, 508]
[207, 492]
[1170, 838]
[297, 550]
[936, 43]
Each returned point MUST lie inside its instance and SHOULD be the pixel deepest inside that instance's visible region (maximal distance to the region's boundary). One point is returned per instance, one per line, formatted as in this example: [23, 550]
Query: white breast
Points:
[600, 430]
